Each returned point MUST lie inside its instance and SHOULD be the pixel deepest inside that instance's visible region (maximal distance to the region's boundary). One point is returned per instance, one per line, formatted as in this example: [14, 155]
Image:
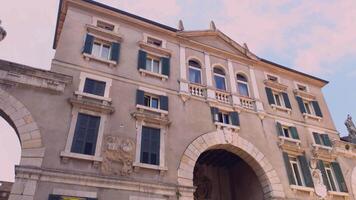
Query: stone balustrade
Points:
[247, 102]
[222, 96]
[197, 90]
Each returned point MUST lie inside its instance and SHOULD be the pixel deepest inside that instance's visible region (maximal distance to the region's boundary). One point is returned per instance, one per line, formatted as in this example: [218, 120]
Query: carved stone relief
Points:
[202, 183]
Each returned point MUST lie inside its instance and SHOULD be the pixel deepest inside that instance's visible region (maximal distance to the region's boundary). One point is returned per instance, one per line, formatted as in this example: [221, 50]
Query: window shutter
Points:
[115, 51]
[163, 102]
[99, 88]
[294, 133]
[140, 95]
[279, 129]
[306, 171]
[235, 119]
[54, 197]
[286, 100]
[145, 145]
[88, 45]
[270, 95]
[91, 135]
[317, 109]
[300, 104]
[339, 177]
[323, 172]
[142, 56]
[79, 134]
[316, 138]
[289, 169]
[326, 140]
[214, 113]
[165, 65]
[155, 146]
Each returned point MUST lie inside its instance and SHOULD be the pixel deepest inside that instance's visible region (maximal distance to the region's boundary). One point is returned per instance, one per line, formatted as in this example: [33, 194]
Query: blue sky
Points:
[317, 37]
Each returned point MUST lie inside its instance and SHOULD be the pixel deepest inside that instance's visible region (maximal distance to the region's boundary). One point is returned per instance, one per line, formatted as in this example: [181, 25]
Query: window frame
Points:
[108, 82]
[95, 21]
[297, 84]
[102, 43]
[242, 82]
[294, 160]
[267, 75]
[199, 69]
[310, 106]
[328, 167]
[280, 98]
[152, 96]
[223, 117]
[221, 76]
[153, 58]
[146, 36]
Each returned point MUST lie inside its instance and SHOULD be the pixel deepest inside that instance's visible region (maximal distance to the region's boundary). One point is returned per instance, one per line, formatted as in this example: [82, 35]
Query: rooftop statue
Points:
[351, 128]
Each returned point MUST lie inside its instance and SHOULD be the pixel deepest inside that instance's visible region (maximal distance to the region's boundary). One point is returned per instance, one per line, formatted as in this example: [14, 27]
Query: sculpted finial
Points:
[351, 128]
[212, 26]
[180, 25]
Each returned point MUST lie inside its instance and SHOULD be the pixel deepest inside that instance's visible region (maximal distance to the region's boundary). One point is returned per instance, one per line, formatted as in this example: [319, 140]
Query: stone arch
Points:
[268, 177]
[18, 116]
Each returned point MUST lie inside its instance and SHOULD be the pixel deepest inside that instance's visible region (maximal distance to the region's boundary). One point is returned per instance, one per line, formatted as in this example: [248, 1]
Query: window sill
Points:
[70, 155]
[289, 139]
[146, 72]
[92, 96]
[155, 49]
[91, 57]
[302, 188]
[310, 116]
[281, 108]
[229, 126]
[163, 112]
[340, 194]
[318, 146]
[290, 145]
[149, 166]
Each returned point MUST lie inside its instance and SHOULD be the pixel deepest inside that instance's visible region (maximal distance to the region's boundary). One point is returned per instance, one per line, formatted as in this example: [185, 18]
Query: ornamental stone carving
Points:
[118, 156]
[351, 128]
[319, 186]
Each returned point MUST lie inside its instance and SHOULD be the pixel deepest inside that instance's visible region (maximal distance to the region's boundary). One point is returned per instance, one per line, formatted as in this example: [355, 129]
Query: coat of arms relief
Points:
[118, 155]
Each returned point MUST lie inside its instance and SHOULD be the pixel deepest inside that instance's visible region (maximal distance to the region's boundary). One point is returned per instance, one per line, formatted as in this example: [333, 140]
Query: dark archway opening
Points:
[222, 175]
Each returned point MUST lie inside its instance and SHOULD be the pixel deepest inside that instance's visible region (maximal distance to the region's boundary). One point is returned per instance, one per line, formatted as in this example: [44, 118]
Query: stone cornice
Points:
[17, 74]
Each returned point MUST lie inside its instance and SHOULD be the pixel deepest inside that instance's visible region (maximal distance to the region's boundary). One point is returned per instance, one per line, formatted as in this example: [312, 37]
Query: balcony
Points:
[222, 96]
[197, 90]
[247, 103]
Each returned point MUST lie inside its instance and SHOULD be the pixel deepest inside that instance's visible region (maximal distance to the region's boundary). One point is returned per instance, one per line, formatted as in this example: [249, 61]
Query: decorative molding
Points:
[89, 57]
[275, 86]
[158, 50]
[304, 95]
[104, 34]
[290, 145]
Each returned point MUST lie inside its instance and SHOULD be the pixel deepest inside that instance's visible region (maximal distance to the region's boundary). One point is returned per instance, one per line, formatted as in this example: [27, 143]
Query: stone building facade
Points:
[135, 110]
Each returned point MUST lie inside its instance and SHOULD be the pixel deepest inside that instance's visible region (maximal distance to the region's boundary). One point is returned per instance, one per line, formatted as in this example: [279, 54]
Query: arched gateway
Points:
[231, 142]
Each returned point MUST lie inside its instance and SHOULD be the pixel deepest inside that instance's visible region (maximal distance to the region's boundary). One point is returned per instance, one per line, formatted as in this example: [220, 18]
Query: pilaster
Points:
[209, 77]
[235, 98]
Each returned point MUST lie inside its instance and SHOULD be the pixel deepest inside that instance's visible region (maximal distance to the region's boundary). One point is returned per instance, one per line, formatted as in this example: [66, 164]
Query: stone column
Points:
[209, 77]
[183, 83]
[259, 105]
[235, 97]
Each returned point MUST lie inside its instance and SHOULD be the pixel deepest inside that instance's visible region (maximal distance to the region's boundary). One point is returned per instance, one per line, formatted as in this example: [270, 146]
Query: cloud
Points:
[315, 35]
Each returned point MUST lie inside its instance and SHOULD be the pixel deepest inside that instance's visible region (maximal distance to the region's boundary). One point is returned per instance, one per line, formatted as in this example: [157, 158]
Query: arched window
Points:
[219, 77]
[194, 72]
[242, 85]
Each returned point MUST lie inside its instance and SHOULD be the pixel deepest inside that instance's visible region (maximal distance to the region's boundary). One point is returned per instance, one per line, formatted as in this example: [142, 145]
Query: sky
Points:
[316, 37]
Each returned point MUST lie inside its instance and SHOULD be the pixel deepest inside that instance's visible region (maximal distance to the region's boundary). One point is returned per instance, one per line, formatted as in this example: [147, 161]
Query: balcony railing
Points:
[197, 90]
[248, 103]
[223, 97]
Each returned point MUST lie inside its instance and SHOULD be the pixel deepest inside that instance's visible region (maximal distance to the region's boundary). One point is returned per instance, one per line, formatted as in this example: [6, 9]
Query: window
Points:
[95, 87]
[194, 72]
[333, 177]
[332, 183]
[242, 85]
[308, 107]
[105, 25]
[287, 131]
[150, 146]
[302, 88]
[277, 99]
[153, 65]
[155, 42]
[101, 50]
[85, 134]
[272, 78]
[296, 171]
[224, 118]
[219, 77]
[322, 139]
[151, 101]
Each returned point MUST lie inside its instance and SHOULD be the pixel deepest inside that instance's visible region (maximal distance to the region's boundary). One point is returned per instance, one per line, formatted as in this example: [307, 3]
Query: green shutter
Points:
[235, 119]
[214, 113]
[300, 104]
[165, 65]
[288, 169]
[142, 56]
[270, 95]
[286, 100]
[317, 109]
[306, 171]
[88, 45]
[339, 177]
[316, 138]
[115, 51]
[279, 129]
[326, 140]
[321, 167]
[140, 97]
[294, 133]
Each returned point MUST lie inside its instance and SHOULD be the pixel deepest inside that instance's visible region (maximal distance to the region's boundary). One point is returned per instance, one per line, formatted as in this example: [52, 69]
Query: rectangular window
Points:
[95, 87]
[302, 88]
[151, 101]
[224, 118]
[85, 134]
[243, 89]
[278, 99]
[155, 42]
[105, 25]
[286, 131]
[194, 75]
[308, 107]
[220, 82]
[101, 50]
[272, 78]
[297, 173]
[331, 177]
[153, 65]
[150, 145]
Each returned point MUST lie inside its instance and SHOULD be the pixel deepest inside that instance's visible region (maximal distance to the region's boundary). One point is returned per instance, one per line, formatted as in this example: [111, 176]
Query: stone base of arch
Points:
[268, 177]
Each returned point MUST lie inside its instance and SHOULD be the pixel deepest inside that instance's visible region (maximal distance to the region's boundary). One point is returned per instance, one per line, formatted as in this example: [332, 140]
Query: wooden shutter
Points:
[326, 140]
[270, 95]
[288, 169]
[286, 100]
[306, 171]
[214, 113]
[316, 138]
[154, 146]
[294, 133]
[115, 51]
[323, 172]
[235, 119]
[142, 56]
[163, 100]
[165, 65]
[91, 135]
[54, 197]
[94, 87]
[140, 97]
[300, 104]
[317, 109]
[339, 177]
[145, 145]
[88, 45]
[79, 134]
[279, 129]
